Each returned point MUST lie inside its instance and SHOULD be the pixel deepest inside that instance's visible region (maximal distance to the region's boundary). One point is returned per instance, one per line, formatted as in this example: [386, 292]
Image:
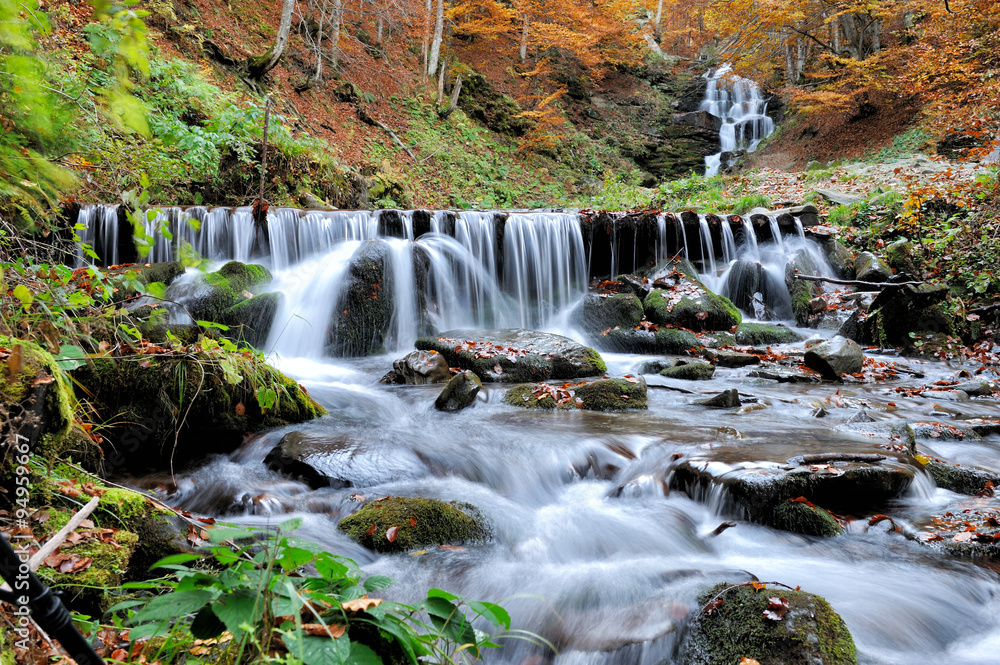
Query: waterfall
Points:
[741, 106]
[706, 244]
[100, 231]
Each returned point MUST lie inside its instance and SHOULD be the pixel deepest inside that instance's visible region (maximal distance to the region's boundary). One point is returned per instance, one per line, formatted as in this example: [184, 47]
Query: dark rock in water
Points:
[227, 287]
[901, 257]
[646, 342]
[764, 334]
[801, 291]
[808, 631]
[251, 319]
[804, 518]
[391, 224]
[600, 395]
[459, 392]
[398, 524]
[679, 300]
[897, 312]
[835, 357]
[782, 374]
[869, 268]
[727, 399]
[515, 355]
[694, 370]
[839, 258]
[601, 311]
[421, 367]
[364, 308]
[726, 358]
[322, 461]
[961, 479]
[756, 489]
[975, 388]
[655, 366]
[851, 327]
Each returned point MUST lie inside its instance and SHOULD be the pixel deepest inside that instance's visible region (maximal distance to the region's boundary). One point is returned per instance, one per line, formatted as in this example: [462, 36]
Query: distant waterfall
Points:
[743, 110]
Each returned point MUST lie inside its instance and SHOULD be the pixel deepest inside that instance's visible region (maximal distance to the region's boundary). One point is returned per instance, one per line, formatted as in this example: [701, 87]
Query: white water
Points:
[741, 106]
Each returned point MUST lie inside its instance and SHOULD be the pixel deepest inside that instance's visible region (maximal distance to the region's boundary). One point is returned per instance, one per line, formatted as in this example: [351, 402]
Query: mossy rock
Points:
[690, 304]
[364, 308]
[661, 342]
[809, 632]
[695, 370]
[418, 522]
[961, 479]
[801, 292]
[86, 591]
[840, 259]
[599, 395]
[764, 334]
[803, 518]
[250, 321]
[515, 355]
[226, 288]
[600, 311]
[902, 257]
[481, 101]
[36, 400]
[147, 398]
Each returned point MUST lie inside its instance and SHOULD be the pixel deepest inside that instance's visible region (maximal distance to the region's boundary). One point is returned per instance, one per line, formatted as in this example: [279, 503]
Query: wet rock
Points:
[835, 357]
[655, 366]
[901, 257]
[694, 370]
[398, 524]
[801, 291]
[840, 258]
[364, 309]
[645, 342]
[600, 395]
[324, 461]
[869, 268]
[727, 358]
[418, 368]
[897, 313]
[804, 518]
[782, 374]
[727, 399]
[861, 427]
[943, 431]
[765, 334]
[809, 631]
[961, 479]
[251, 320]
[682, 301]
[601, 311]
[229, 286]
[460, 392]
[515, 355]
[975, 388]
[756, 489]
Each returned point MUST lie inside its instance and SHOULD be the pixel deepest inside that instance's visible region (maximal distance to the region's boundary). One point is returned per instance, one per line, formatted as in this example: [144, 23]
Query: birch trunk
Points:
[433, 59]
[524, 38]
[425, 45]
[262, 64]
[335, 19]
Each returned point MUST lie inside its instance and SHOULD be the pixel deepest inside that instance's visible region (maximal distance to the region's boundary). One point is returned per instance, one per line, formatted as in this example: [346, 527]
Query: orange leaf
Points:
[413, 521]
[319, 630]
[391, 533]
[759, 586]
[371, 529]
[240, 409]
[361, 604]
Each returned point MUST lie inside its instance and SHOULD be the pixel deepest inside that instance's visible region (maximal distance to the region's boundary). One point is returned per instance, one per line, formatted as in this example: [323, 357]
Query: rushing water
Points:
[742, 107]
[589, 549]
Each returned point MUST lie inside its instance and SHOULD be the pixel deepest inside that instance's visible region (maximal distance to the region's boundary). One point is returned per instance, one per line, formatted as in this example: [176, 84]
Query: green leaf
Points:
[206, 624]
[244, 607]
[175, 605]
[175, 559]
[266, 397]
[79, 299]
[155, 289]
[378, 582]
[294, 557]
[22, 293]
[330, 569]
[491, 611]
[318, 650]
[70, 357]
[362, 655]
[212, 324]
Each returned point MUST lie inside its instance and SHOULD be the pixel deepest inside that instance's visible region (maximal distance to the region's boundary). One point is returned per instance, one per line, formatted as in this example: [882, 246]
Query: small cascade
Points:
[707, 249]
[772, 222]
[100, 231]
[728, 244]
[738, 102]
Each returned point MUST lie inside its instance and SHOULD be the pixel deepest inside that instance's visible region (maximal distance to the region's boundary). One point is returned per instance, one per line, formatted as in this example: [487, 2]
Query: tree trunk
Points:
[335, 19]
[789, 64]
[426, 43]
[835, 35]
[435, 54]
[262, 64]
[524, 37]
[319, 44]
[659, 15]
[874, 30]
[800, 61]
[379, 29]
[455, 92]
[853, 37]
[441, 75]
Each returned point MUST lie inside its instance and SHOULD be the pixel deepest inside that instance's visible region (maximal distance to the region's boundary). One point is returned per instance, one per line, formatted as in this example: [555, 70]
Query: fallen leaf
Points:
[748, 661]
[371, 529]
[453, 548]
[240, 409]
[361, 604]
[319, 630]
[776, 608]
[391, 534]
[759, 586]
[963, 537]
[413, 521]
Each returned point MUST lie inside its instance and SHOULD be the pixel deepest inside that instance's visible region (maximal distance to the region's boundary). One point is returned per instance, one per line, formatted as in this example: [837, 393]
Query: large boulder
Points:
[398, 524]
[901, 257]
[605, 310]
[835, 357]
[250, 320]
[764, 334]
[870, 268]
[225, 288]
[898, 311]
[756, 291]
[773, 626]
[658, 341]
[460, 392]
[364, 308]
[322, 460]
[601, 395]
[680, 301]
[693, 370]
[515, 355]
[839, 258]
[418, 368]
[801, 291]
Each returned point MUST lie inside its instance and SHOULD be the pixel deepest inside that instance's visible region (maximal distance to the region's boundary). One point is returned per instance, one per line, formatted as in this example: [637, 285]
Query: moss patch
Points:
[364, 310]
[805, 519]
[689, 304]
[87, 590]
[763, 334]
[662, 341]
[810, 632]
[600, 395]
[696, 370]
[601, 311]
[418, 522]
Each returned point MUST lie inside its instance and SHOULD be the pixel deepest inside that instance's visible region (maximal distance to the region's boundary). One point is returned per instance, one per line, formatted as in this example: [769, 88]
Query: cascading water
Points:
[100, 231]
[738, 102]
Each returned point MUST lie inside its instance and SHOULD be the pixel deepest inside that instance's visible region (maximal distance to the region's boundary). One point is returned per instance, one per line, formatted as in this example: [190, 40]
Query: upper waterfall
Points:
[742, 107]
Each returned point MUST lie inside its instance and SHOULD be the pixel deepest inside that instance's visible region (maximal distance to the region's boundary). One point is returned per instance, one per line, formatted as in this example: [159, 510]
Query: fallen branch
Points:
[367, 119]
[855, 282]
[53, 543]
[823, 458]
[985, 309]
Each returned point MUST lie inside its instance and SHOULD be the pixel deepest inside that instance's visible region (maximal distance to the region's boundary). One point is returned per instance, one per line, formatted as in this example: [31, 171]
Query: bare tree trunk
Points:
[874, 30]
[659, 15]
[789, 64]
[835, 35]
[455, 92]
[853, 37]
[524, 37]
[262, 64]
[435, 54]
[335, 19]
[379, 25]
[800, 62]
[319, 44]
[425, 45]
[441, 75]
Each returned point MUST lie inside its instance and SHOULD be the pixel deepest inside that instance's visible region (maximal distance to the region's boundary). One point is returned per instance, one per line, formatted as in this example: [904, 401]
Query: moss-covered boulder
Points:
[808, 630]
[804, 518]
[897, 312]
[840, 259]
[204, 404]
[480, 100]
[225, 288]
[764, 334]
[515, 355]
[250, 320]
[801, 291]
[600, 395]
[902, 257]
[460, 392]
[364, 308]
[961, 479]
[693, 370]
[36, 403]
[605, 310]
[398, 524]
[687, 303]
[648, 342]
[870, 268]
